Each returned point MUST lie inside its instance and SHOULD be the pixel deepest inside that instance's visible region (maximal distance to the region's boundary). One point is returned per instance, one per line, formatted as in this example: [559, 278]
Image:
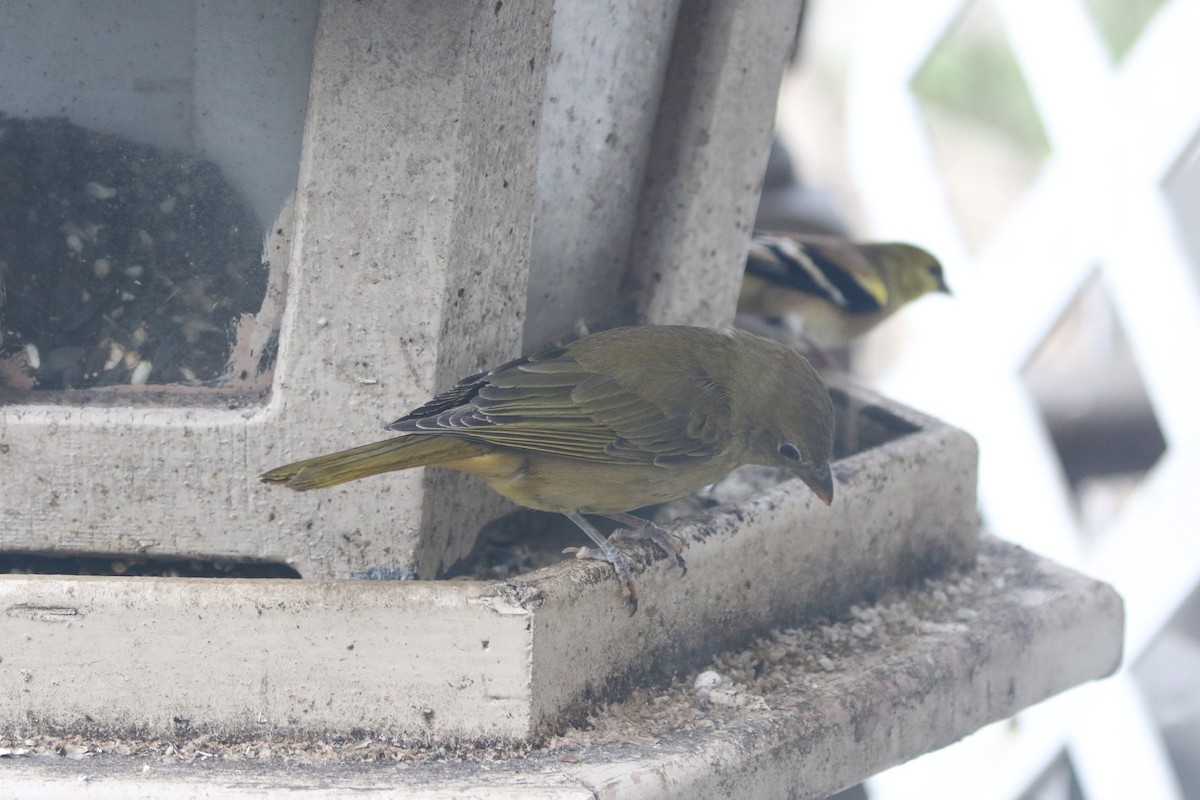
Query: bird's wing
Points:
[550, 403]
[831, 269]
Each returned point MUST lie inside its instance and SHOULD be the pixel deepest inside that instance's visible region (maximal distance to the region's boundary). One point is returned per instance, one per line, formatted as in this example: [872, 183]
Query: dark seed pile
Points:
[130, 565]
[119, 263]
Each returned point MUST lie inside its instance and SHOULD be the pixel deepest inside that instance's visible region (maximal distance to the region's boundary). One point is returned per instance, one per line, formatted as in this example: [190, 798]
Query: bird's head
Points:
[791, 418]
[909, 271]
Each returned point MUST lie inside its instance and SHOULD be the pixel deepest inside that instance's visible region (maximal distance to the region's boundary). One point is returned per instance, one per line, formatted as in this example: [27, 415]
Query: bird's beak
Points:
[820, 481]
[943, 286]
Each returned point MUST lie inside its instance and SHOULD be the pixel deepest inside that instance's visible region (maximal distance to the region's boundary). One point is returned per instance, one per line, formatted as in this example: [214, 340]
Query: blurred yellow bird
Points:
[839, 289]
[616, 421]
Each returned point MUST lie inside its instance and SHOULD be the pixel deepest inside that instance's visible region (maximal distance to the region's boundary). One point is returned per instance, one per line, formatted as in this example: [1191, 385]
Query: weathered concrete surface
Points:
[460, 660]
[245, 656]
[1036, 630]
[708, 159]
[605, 81]
[656, 129]
[413, 223]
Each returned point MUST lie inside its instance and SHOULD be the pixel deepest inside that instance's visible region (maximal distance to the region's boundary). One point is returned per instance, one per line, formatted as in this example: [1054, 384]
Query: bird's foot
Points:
[641, 530]
[638, 530]
[621, 563]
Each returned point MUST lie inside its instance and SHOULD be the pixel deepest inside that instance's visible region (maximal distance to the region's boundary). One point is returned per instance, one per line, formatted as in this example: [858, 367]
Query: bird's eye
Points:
[789, 451]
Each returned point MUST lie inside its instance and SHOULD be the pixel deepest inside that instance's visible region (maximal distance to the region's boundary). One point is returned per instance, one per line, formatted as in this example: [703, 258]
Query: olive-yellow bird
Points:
[839, 289]
[613, 422]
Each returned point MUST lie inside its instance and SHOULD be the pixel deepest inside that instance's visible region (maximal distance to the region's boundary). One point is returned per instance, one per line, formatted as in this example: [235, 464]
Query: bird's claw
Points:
[621, 565]
[638, 530]
[669, 542]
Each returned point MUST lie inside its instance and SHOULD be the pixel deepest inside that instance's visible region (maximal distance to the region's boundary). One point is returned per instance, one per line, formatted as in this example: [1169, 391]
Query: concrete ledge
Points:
[938, 663]
[461, 660]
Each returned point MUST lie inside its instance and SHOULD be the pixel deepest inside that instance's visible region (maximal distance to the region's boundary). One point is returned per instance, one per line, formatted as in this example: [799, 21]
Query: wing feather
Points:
[552, 404]
[824, 267]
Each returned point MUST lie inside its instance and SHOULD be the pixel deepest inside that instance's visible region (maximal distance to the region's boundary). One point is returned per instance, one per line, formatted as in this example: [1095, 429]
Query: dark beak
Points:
[820, 481]
[943, 286]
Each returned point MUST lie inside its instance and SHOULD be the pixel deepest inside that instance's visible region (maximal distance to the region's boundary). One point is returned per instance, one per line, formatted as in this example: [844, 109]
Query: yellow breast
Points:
[550, 483]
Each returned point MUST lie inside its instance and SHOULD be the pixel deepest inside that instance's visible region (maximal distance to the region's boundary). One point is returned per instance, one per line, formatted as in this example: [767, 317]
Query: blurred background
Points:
[1047, 153]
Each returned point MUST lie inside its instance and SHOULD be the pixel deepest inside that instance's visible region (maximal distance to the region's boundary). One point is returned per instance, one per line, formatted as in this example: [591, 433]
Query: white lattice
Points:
[1116, 132]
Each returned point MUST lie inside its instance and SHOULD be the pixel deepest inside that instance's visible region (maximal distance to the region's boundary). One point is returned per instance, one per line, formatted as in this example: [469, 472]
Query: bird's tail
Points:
[401, 452]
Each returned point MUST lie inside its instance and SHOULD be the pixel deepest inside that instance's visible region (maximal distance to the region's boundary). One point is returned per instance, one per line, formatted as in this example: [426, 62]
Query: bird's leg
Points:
[609, 553]
[642, 529]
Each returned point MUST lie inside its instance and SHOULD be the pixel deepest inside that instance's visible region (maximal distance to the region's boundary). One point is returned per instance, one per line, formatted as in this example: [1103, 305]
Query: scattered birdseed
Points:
[116, 355]
[141, 373]
[32, 356]
[98, 191]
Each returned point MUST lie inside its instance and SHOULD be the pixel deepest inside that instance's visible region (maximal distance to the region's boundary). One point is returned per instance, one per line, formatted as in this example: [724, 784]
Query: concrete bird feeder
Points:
[431, 189]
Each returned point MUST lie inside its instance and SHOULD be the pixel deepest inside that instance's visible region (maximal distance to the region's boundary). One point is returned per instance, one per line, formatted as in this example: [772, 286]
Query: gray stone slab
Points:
[1001, 636]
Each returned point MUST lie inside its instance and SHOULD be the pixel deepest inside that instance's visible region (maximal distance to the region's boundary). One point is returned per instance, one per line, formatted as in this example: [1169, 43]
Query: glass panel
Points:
[146, 151]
